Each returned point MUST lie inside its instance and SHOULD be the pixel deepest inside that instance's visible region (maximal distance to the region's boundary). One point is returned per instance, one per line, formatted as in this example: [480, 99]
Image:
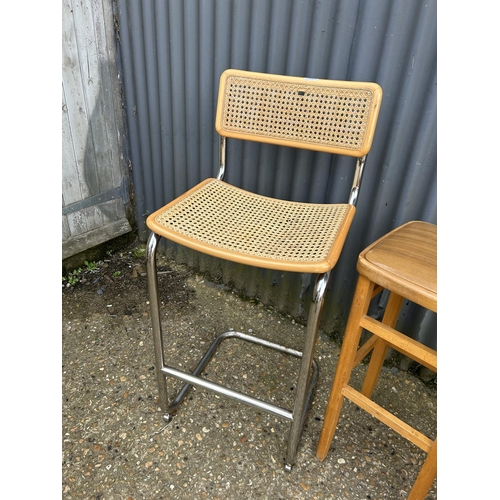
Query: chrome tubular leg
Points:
[154, 305]
[303, 395]
[222, 158]
[356, 183]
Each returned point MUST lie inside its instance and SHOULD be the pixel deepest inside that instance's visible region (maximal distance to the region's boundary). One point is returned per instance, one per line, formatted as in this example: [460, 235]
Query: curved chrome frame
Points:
[356, 183]
[222, 158]
[308, 372]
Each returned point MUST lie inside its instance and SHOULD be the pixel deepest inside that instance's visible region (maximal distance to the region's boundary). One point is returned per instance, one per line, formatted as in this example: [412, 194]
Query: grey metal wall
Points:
[173, 53]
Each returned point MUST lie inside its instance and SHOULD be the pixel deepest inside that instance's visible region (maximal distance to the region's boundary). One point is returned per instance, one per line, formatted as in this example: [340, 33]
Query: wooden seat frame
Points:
[321, 115]
[403, 262]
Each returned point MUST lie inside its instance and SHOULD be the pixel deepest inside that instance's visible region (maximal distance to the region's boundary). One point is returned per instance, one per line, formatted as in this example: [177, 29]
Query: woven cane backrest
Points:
[323, 115]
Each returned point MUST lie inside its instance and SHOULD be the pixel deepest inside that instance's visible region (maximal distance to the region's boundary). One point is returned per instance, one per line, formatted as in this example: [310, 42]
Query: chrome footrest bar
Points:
[224, 391]
[194, 380]
[308, 373]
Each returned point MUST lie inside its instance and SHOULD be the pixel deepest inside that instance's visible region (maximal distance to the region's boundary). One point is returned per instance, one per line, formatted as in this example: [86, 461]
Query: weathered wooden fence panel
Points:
[94, 167]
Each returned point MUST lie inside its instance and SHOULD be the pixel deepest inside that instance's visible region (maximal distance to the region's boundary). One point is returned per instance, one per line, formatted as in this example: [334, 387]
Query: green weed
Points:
[74, 276]
[138, 252]
[91, 266]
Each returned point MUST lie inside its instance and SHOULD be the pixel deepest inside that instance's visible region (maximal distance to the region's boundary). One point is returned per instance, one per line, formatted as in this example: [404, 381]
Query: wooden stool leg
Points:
[426, 477]
[380, 349]
[361, 301]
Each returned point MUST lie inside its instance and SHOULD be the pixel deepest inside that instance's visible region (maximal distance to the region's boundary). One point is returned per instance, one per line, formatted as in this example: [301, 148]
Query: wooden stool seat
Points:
[404, 262]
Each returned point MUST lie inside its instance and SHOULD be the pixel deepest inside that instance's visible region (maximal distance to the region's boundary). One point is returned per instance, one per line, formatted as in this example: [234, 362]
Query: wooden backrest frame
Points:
[332, 116]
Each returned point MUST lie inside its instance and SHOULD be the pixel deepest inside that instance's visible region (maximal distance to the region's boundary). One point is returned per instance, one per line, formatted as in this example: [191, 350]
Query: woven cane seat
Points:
[228, 222]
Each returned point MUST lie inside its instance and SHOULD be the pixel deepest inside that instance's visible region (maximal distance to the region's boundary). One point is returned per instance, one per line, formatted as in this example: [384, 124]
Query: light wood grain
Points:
[404, 262]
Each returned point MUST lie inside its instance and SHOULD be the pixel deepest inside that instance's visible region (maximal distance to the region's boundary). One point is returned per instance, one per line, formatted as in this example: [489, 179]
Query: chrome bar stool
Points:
[230, 223]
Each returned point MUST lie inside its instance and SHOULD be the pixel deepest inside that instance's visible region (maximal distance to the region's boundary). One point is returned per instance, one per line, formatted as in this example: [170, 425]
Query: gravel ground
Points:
[115, 444]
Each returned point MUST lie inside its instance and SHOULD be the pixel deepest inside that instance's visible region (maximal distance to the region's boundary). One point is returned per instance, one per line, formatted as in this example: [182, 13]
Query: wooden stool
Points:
[404, 262]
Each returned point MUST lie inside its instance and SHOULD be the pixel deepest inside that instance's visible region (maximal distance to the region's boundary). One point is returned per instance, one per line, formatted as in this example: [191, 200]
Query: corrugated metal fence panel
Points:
[173, 53]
